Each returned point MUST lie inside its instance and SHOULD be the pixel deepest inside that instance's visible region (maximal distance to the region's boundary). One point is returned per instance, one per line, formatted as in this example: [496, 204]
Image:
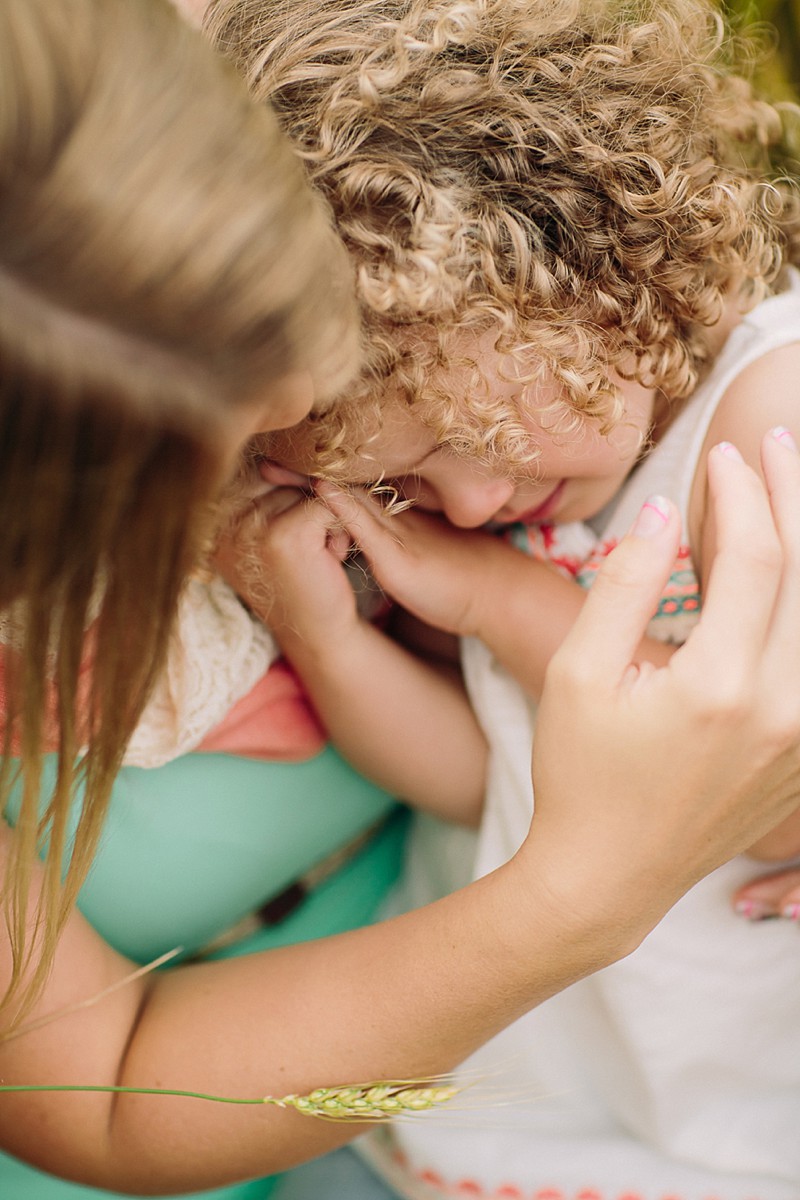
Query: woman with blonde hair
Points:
[170, 287]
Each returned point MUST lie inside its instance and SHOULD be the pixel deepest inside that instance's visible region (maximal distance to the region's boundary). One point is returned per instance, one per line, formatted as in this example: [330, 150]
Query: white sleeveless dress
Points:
[674, 1074]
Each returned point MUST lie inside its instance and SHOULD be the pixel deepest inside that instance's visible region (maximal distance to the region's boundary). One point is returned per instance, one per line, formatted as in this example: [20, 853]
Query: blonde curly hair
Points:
[592, 180]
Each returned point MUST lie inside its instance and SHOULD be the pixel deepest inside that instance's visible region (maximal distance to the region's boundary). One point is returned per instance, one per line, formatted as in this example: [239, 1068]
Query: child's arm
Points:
[397, 719]
[471, 584]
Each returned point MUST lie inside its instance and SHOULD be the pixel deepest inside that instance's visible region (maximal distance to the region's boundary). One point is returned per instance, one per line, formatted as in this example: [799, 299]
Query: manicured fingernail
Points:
[752, 910]
[729, 450]
[784, 436]
[791, 912]
[653, 516]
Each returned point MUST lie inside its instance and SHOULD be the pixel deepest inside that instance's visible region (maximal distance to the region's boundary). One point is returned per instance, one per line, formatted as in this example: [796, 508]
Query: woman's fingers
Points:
[625, 594]
[781, 466]
[722, 720]
[745, 577]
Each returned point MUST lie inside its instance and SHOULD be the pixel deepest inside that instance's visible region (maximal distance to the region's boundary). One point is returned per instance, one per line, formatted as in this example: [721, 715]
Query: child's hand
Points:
[445, 576]
[283, 556]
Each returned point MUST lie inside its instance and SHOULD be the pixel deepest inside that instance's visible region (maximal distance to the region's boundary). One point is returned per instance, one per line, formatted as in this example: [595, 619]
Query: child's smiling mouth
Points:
[541, 512]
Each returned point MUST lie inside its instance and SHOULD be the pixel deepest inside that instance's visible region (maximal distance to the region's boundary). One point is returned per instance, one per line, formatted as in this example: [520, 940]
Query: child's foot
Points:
[776, 895]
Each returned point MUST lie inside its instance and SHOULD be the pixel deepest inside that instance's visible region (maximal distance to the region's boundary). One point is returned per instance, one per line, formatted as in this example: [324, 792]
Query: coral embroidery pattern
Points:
[430, 1185]
[555, 544]
[680, 603]
[575, 553]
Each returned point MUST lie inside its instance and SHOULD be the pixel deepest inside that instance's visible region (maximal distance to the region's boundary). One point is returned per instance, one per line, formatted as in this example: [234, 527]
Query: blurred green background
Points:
[779, 73]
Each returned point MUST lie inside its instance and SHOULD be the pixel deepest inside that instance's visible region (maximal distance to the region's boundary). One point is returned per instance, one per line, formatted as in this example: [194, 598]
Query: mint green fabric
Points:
[193, 846]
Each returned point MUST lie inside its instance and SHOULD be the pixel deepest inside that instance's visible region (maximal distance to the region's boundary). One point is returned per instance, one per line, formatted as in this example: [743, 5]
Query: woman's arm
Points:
[687, 764]
[773, 380]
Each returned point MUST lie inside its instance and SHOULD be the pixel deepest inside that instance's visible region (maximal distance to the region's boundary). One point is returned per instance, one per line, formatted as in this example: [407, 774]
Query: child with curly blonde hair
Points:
[573, 242]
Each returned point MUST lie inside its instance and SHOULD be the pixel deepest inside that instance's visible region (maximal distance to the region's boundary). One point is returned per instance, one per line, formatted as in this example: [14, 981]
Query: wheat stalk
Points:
[377, 1101]
[349, 1102]
[372, 1102]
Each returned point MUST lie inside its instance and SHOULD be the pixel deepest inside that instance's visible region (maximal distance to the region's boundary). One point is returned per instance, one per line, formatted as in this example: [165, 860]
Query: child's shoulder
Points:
[759, 364]
[763, 394]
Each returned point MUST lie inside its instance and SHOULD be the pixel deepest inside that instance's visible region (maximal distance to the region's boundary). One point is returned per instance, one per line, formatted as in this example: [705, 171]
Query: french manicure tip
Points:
[653, 516]
[784, 436]
[751, 910]
[729, 450]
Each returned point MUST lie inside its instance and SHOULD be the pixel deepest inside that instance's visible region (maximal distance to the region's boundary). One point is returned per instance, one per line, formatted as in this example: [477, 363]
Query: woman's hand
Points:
[646, 779]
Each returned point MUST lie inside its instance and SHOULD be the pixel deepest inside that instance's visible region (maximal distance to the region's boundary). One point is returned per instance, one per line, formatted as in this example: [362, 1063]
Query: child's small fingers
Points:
[359, 515]
[273, 473]
[339, 543]
[280, 500]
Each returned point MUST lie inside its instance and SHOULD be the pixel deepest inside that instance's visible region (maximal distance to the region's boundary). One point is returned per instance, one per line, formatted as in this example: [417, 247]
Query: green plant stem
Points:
[140, 1091]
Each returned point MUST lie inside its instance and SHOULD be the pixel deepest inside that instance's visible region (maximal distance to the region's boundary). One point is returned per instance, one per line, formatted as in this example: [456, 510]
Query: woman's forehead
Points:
[397, 436]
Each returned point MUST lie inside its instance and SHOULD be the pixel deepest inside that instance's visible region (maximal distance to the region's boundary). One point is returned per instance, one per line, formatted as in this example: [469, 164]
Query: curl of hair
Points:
[593, 180]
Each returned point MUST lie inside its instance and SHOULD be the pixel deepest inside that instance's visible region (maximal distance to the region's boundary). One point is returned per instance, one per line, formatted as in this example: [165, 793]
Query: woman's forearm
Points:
[407, 998]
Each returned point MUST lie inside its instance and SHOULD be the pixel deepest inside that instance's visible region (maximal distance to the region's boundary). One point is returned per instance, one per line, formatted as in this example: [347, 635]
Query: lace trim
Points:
[218, 653]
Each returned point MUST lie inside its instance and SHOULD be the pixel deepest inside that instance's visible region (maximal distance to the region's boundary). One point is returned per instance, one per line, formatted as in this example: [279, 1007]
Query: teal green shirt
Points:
[190, 848]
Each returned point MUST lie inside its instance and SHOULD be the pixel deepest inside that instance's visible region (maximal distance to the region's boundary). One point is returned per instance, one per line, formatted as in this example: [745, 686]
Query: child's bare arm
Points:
[399, 720]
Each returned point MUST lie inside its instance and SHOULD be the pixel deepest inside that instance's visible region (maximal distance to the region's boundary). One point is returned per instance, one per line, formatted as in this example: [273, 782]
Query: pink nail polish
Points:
[784, 436]
[751, 910]
[729, 450]
[653, 517]
[791, 912]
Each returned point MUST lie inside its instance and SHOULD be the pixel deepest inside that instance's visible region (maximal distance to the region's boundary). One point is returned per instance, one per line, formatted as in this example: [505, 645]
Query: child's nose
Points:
[476, 502]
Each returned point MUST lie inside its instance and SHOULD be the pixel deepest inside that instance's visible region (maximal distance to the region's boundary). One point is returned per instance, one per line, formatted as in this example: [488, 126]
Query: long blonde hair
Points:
[162, 259]
[592, 179]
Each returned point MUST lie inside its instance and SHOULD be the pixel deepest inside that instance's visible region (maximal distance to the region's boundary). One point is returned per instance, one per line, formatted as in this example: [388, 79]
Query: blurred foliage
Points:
[778, 72]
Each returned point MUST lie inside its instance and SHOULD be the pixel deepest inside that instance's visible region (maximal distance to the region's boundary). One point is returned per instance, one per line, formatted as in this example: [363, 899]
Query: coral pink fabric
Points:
[273, 721]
